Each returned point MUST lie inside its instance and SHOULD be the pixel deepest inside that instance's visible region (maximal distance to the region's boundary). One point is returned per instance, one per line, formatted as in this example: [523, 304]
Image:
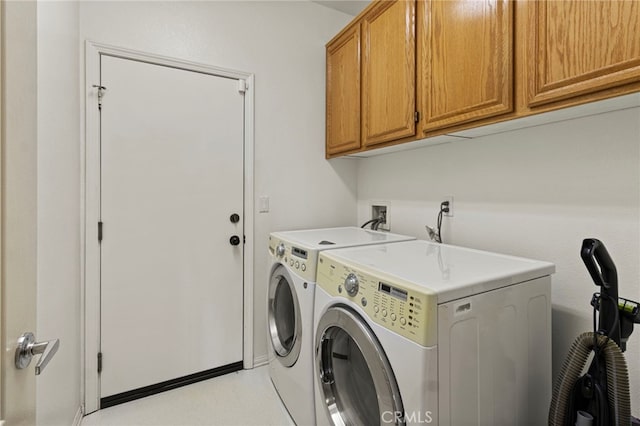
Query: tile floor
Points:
[243, 398]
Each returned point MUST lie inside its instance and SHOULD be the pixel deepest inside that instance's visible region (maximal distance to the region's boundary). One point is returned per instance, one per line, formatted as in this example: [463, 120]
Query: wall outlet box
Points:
[381, 210]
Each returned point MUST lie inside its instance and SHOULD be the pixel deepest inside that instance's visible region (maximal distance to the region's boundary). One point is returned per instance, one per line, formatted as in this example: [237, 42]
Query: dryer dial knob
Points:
[280, 250]
[351, 284]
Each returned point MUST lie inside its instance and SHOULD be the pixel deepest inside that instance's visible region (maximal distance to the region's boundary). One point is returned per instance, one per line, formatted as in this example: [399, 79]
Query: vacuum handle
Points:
[599, 264]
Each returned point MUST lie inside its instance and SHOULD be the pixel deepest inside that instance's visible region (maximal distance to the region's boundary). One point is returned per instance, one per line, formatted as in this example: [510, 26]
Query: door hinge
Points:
[242, 86]
[99, 362]
[244, 239]
[416, 116]
[101, 90]
[99, 231]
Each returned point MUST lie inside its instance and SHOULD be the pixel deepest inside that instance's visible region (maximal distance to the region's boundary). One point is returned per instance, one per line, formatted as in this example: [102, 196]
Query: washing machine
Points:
[292, 276]
[421, 333]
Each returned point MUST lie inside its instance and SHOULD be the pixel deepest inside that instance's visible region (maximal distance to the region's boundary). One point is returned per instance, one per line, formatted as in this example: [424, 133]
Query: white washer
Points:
[292, 276]
[424, 333]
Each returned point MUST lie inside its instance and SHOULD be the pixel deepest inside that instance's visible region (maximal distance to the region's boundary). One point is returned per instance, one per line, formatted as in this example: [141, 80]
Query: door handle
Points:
[28, 347]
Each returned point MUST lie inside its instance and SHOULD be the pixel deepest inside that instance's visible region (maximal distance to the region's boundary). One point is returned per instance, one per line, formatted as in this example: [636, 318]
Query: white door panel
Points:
[18, 206]
[172, 174]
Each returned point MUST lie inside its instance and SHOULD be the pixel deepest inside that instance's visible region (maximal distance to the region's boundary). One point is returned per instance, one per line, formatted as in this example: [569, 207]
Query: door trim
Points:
[2, 388]
[90, 186]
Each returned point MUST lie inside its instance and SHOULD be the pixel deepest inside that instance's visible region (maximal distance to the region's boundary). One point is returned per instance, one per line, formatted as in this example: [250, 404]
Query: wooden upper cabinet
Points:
[388, 72]
[577, 47]
[343, 92]
[466, 61]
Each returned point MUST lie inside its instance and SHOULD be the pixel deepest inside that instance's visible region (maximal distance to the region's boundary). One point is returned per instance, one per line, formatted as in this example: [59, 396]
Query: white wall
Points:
[59, 316]
[283, 44]
[536, 193]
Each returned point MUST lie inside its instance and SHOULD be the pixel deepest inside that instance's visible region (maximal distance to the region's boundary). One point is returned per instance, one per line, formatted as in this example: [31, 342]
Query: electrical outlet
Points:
[381, 210]
[448, 198]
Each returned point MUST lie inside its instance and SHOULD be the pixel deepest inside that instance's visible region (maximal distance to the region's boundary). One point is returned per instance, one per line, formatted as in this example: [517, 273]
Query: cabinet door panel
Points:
[343, 93]
[578, 47]
[388, 89]
[467, 66]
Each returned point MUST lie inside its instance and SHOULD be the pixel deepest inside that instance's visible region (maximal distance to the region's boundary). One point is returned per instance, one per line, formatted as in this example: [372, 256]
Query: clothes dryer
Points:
[292, 276]
[424, 333]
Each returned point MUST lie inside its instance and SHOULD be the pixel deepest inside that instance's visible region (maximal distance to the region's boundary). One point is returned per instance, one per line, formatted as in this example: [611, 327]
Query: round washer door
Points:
[285, 327]
[357, 383]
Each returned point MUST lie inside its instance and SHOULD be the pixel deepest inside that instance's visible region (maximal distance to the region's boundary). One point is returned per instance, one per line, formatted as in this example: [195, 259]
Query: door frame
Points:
[90, 190]
[2, 389]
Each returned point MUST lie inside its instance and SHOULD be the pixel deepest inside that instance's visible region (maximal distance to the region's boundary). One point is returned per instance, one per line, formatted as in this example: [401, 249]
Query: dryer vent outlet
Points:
[381, 211]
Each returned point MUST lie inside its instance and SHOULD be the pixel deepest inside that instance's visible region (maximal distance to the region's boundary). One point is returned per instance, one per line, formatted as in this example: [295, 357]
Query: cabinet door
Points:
[343, 93]
[388, 78]
[466, 60]
[578, 47]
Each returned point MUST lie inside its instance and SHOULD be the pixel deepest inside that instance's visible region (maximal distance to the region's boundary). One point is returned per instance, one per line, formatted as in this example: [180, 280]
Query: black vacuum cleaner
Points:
[601, 396]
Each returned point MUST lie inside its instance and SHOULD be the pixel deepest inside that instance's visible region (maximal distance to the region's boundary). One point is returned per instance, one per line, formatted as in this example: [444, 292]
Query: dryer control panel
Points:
[300, 260]
[402, 307]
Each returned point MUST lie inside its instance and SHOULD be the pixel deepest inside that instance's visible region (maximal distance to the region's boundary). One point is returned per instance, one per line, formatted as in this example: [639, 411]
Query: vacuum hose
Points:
[617, 379]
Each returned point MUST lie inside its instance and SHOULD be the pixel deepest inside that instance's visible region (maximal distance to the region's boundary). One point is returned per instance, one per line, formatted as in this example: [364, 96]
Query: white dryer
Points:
[292, 276]
[423, 333]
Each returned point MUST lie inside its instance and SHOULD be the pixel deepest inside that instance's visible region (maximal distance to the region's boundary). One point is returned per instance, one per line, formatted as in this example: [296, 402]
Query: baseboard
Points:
[142, 392]
[260, 360]
[77, 420]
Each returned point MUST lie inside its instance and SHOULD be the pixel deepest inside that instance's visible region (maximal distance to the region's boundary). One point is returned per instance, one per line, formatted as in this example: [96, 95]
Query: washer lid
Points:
[448, 272]
[332, 238]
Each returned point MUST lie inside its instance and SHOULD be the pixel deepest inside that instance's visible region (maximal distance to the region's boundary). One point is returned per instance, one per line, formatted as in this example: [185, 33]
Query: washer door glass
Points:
[285, 327]
[355, 376]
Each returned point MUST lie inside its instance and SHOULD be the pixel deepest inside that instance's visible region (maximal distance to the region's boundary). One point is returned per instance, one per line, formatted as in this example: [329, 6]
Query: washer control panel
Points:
[300, 260]
[403, 307]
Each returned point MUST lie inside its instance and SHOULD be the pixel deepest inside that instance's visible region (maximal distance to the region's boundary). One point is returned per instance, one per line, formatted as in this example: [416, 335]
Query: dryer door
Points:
[285, 327]
[356, 379]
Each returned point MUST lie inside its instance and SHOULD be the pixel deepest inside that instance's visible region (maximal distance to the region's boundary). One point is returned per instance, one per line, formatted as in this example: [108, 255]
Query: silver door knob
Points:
[28, 347]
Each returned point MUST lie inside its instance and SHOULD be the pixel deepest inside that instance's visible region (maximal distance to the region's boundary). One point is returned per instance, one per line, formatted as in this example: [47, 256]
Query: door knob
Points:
[234, 218]
[235, 240]
[28, 347]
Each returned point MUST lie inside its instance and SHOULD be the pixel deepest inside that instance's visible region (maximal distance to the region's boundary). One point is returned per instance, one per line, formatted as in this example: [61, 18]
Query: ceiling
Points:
[350, 7]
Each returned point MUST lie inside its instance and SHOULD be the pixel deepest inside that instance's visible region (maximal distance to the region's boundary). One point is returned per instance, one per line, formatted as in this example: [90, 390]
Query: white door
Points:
[18, 201]
[171, 178]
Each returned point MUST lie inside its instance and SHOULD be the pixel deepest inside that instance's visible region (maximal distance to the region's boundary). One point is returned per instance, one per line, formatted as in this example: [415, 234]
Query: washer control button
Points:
[303, 267]
[339, 289]
[376, 309]
[393, 317]
[384, 312]
[291, 262]
[280, 250]
[297, 265]
[351, 284]
[364, 301]
[403, 321]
